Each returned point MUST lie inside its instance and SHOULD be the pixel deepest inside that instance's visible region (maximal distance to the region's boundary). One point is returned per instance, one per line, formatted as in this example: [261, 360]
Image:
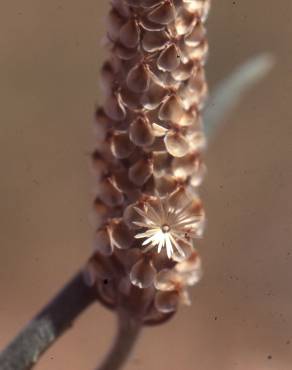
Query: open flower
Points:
[169, 222]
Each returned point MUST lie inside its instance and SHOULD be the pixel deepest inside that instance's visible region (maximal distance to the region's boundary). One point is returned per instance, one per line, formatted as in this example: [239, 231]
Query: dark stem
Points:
[25, 350]
[128, 331]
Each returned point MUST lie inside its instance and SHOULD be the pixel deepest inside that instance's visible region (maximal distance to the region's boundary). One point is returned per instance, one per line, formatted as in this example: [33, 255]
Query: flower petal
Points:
[169, 58]
[141, 132]
[171, 110]
[162, 14]
[114, 108]
[165, 280]
[154, 40]
[115, 22]
[195, 37]
[131, 217]
[176, 144]
[141, 171]
[159, 131]
[121, 145]
[121, 236]
[110, 194]
[102, 242]
[138, 78]
[129, 34]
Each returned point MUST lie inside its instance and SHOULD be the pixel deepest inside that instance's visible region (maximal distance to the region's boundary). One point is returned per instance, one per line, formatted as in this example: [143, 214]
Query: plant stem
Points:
[25, 350]
[128, 331]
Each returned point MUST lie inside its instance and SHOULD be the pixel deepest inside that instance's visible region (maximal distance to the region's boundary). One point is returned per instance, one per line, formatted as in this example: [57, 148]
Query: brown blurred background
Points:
[241, 317]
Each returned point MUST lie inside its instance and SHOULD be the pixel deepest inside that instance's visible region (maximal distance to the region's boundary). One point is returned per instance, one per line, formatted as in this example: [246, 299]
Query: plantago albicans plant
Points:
[147, 169]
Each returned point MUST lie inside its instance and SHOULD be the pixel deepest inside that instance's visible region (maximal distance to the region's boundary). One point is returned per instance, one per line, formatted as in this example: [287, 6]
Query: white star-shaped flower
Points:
[168, 226]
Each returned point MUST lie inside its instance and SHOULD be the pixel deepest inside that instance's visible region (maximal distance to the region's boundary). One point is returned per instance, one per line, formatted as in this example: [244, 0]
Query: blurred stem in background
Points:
[229, 92]
[59, 315]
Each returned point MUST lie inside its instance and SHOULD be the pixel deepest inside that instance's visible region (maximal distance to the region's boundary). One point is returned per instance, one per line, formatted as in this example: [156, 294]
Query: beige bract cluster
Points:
[148, 158]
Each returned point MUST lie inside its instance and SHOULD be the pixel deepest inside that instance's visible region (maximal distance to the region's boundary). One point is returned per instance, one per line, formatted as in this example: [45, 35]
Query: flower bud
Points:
[121, 145]
[171, 110]
[167, 302]
[121, 236]
[141, 171]
[129, 34]
[138, 79]
[143, 273]
[102, 242]
[141, 132]
[110, 193]
[154, 41]
[114, 108]
[176, 144]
